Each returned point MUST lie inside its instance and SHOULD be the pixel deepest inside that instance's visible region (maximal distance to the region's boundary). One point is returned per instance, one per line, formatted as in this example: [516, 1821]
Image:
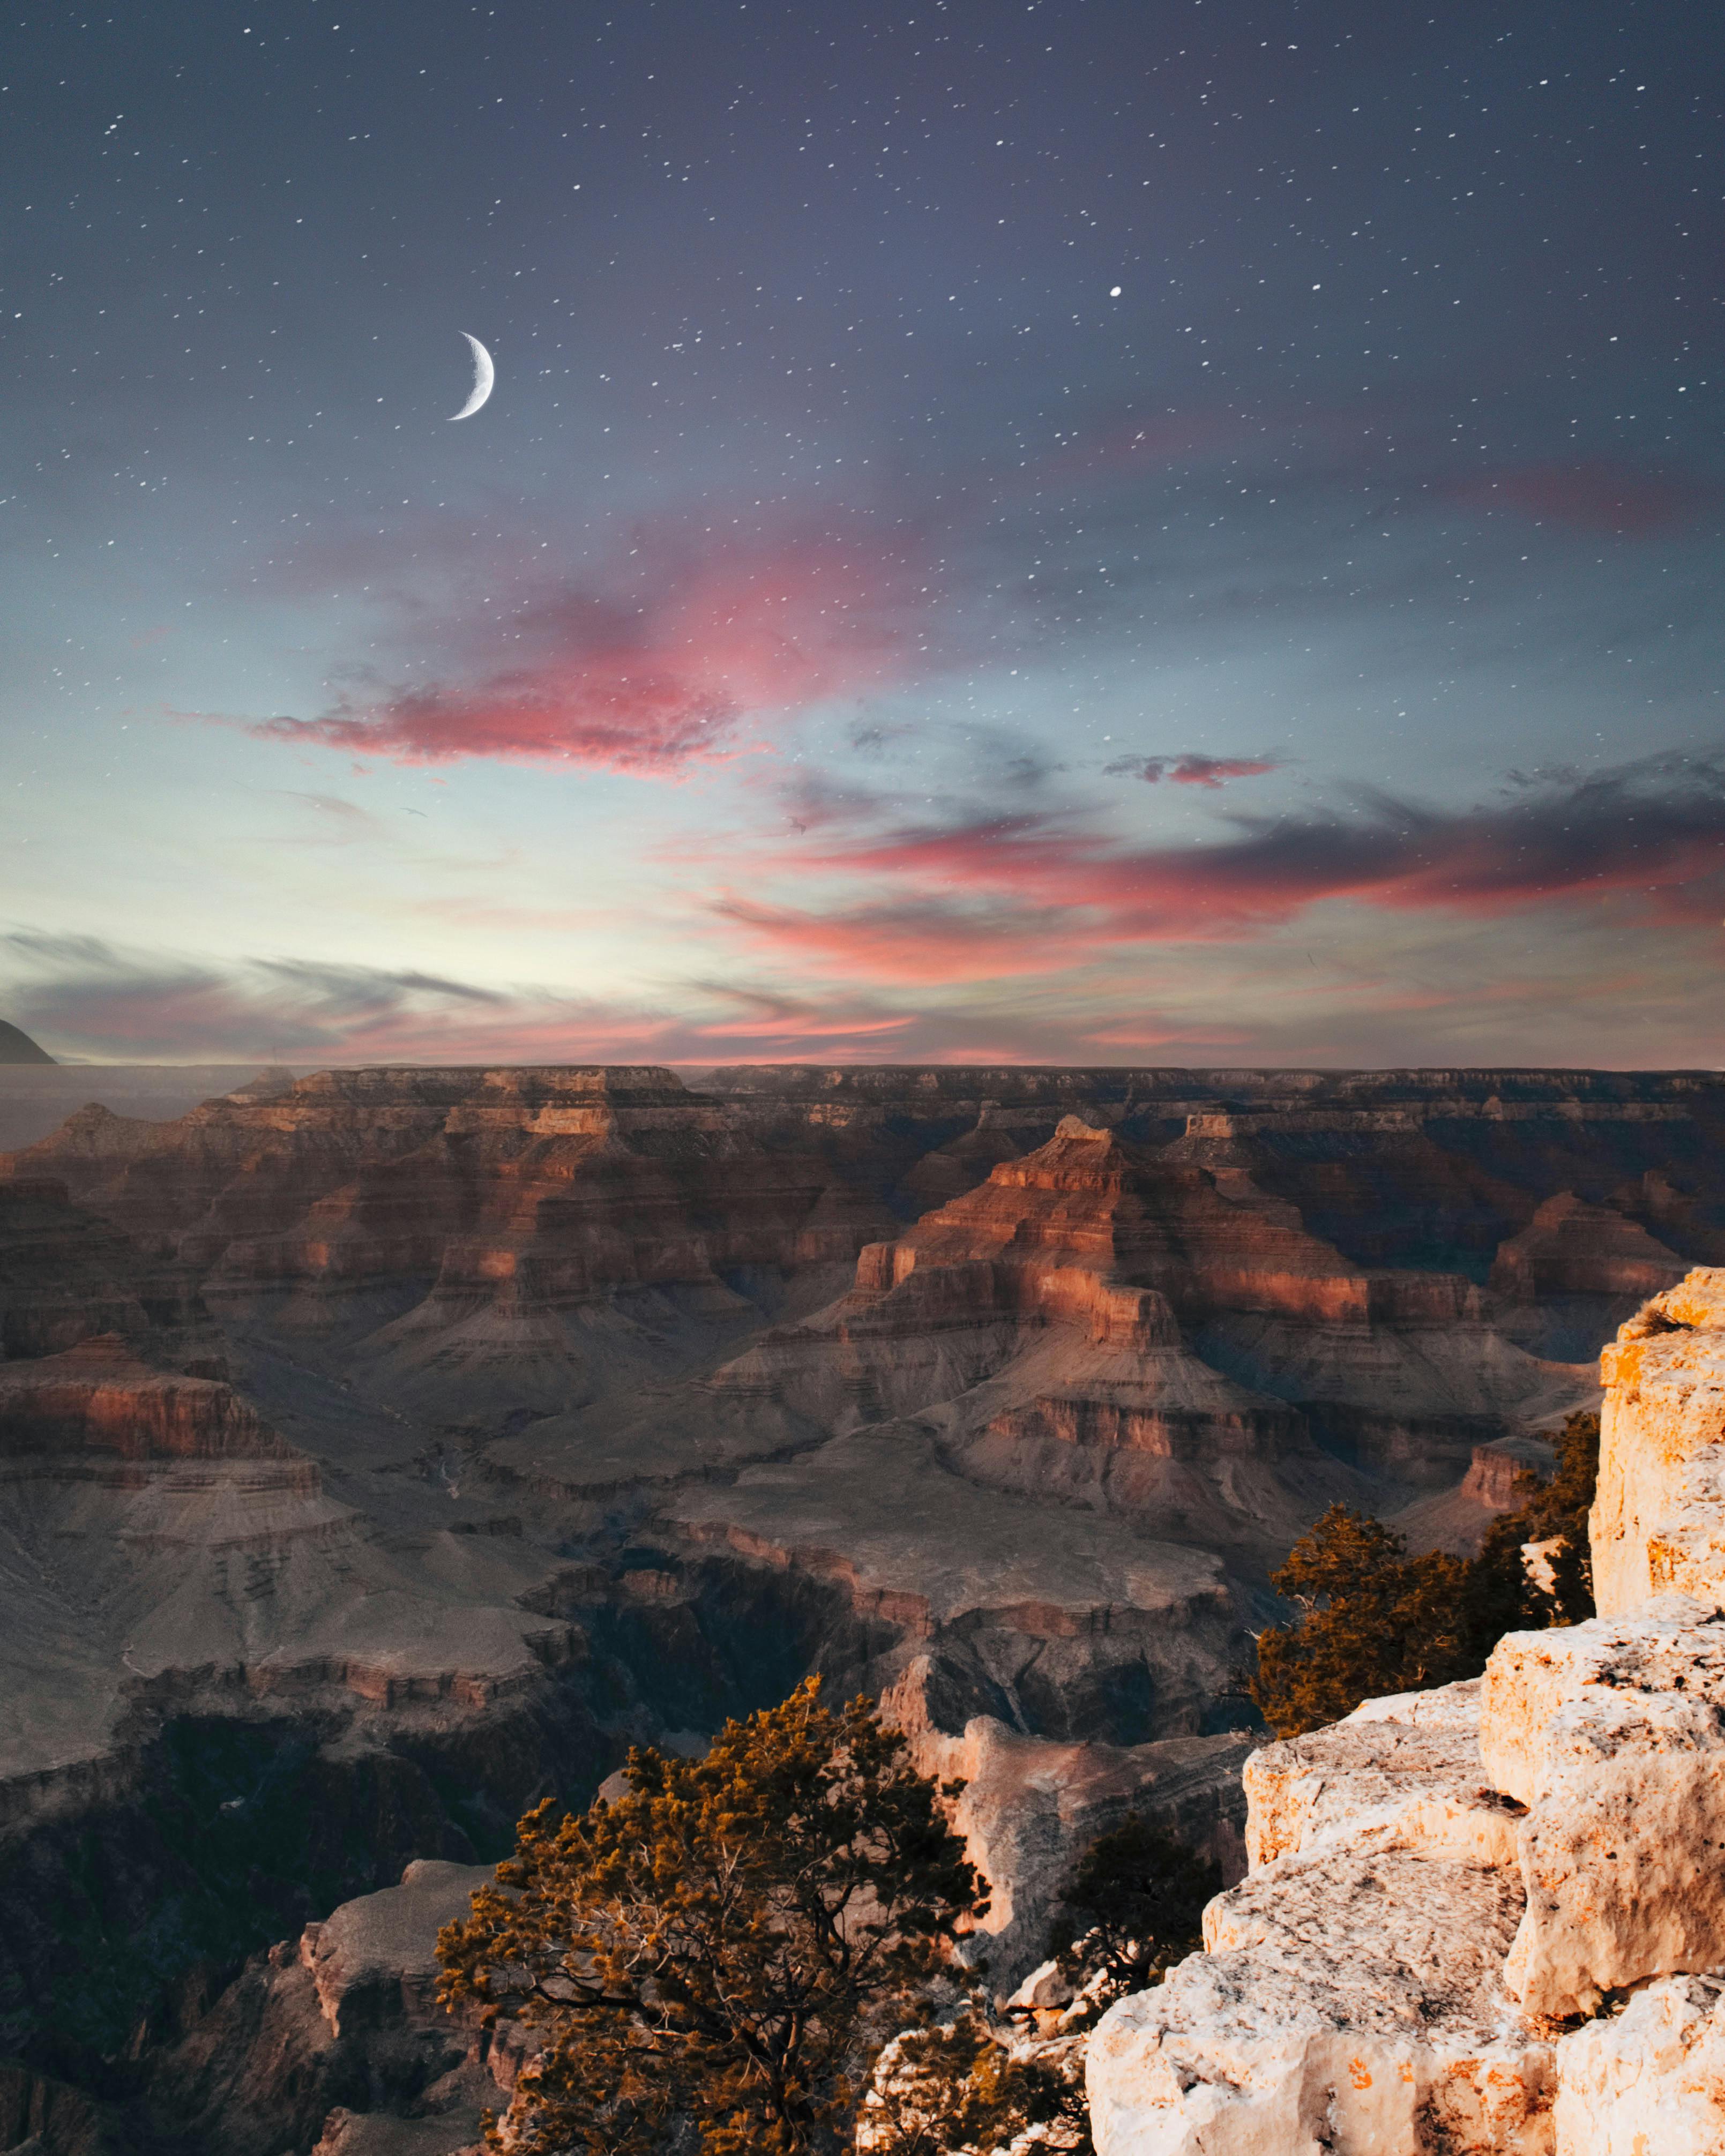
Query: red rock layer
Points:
[1090, 1201]
[1570, 1247]
[541, 1188]
[65, 1277]
[99, 1396]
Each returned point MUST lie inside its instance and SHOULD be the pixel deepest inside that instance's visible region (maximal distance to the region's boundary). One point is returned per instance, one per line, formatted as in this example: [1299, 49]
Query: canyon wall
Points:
[383, 1448]
[1489, 1917]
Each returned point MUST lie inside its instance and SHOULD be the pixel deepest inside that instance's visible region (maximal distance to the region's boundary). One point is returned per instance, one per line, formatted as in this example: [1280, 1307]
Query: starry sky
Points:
[1157, 531]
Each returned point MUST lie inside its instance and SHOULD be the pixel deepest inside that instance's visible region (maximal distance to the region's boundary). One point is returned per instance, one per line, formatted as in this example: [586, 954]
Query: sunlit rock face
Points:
[1349, 2004]
[1658, 1520]
[1538, 1854]
[1571, 1248]
[1144, 1335]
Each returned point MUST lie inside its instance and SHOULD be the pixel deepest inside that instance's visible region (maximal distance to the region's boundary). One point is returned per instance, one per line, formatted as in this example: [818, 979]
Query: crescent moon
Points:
[483, 375]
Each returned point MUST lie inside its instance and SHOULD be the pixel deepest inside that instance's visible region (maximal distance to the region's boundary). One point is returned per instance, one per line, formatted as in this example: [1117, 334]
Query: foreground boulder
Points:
[1484, 1918]
[1658, 1522]
[1347, 2003]
[1613, 1733]
[1652, 2080]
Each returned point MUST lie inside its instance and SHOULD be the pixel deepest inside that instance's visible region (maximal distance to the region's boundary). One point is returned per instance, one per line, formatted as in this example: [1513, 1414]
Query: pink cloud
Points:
[924, 941]
[1192, 769]
[1593, 494]
[1022, 894]
[662, 669]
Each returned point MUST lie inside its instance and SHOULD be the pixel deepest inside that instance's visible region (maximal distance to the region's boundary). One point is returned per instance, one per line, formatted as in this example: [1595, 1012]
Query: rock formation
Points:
[16, 1045]
[335, 2043]
[1489, 1917]
[1152, 1336]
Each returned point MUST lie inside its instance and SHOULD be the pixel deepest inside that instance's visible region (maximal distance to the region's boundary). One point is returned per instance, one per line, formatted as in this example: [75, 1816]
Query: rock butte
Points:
[385, 1446]
[1489, 1917]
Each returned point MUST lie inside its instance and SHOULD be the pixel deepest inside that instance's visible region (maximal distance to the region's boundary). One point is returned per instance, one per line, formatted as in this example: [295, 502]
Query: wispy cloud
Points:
[661, 659]
[1018, 894]
[1192, 769]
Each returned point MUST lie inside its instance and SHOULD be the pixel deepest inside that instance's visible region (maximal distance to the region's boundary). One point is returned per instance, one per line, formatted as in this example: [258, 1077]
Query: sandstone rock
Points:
[1578, 1696]
[1349, 2004]
[1399, 1774]
[1658, 1522]
[1031, 1808]
[336, 2043]
[376, 1956]
[1080, 1628]
[1613, 1733]
[1621, 1863]
[1651, 2081]
[460, 1219]
[1572, 1248]
[1456, 1520]
[66, 1277]
[1041, 1321]
[101, 1396]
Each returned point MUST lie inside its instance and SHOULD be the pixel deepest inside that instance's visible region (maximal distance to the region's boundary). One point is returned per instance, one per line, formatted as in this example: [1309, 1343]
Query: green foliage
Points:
[961, 2090]
[1502, 1597]
[1134, 1907]
[730, 1943]
[1375, 1621]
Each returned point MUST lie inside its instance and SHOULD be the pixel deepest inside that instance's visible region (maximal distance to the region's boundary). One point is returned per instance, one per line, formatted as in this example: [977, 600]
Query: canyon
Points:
[387, 1448]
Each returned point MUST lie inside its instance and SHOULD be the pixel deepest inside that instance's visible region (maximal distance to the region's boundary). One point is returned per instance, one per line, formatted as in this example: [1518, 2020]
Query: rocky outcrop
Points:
[1484, 1918]
[1456, 1520]
[99, 1398]
[1029, 1808]
[16, 1045]
[1153, 1337]
[1346, 2004]
[336, 2043]
[1658, 1520]
[1402, 1774]
[1650, 2081]
[1612, 1733]
[1569, 1248]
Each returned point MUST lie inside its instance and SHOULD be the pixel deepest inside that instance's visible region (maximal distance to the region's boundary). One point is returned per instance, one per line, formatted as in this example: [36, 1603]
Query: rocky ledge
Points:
[1489, 1917]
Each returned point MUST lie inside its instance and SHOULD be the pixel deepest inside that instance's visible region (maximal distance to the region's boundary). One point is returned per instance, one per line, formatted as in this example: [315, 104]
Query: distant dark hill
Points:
[15, 1047]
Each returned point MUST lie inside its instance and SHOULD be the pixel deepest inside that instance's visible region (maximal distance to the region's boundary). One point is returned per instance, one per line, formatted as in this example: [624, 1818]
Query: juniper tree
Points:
[725, 1948]
[1374, 1620]
[1134, 1906]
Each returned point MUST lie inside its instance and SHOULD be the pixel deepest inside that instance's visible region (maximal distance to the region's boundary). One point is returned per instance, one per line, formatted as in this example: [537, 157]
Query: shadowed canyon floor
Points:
[384, 1448]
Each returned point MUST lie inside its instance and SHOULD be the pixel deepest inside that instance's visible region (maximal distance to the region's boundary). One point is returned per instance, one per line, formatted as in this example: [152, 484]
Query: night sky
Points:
[1098, 530]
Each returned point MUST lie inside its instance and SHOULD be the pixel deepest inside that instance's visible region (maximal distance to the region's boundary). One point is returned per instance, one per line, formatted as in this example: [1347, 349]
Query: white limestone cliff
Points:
[1489, 1917]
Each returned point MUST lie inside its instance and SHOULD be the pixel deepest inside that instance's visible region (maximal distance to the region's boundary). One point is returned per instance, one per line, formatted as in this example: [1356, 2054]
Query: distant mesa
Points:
[16, 1046]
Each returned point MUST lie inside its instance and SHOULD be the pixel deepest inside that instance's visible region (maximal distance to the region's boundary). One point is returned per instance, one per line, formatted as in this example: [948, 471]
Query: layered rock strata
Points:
[1144, 1335]
[334, 2042]
[532, 1427]
[1484, 1918]
[468, 1233]
[1659, 1519]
